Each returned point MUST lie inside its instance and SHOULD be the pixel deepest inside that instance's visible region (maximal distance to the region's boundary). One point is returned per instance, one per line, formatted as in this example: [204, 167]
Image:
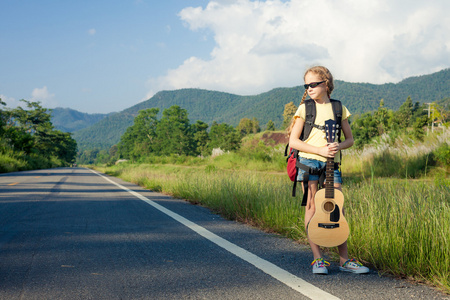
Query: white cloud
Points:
[10, 102]
[261, 45]
[43, 96]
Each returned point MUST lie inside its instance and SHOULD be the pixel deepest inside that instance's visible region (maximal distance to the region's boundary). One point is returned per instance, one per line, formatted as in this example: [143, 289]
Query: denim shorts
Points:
[312, 163]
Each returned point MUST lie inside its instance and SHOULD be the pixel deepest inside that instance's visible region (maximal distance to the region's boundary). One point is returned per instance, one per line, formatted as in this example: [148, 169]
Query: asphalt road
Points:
[70, 233]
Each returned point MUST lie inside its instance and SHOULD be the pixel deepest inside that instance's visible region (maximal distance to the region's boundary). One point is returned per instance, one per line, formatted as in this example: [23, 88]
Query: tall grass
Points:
[11, 161]
[397, 200]
[397, 225]
[401, 158]
[402, 227]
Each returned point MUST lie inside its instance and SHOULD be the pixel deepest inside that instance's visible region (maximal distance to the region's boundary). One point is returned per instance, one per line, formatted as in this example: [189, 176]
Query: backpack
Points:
[293, 164]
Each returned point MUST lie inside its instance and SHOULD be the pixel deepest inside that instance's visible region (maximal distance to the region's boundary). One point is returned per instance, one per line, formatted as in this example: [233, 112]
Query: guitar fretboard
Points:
[329, 183]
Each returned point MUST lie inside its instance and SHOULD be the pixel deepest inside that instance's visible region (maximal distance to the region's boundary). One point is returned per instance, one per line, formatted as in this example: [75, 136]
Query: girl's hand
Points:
[330, 150]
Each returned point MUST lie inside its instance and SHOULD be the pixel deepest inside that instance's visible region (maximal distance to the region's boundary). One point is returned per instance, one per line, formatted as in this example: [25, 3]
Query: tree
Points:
[247, 126]
[3, 117]
[30, 131]
[62, 145]
[255, 126]
[224, 136]
[418, 126]
[381, 116]
[17, 139]
[33, 120]
[404, 114]
[88, 156]
[102, 157]
[417, 111]
[364, 129]
[270, 126]
[140, 138]
[201, 137]
[174, 135]
[113, 153]
[438, 113]
[146, 123]
[289, 111]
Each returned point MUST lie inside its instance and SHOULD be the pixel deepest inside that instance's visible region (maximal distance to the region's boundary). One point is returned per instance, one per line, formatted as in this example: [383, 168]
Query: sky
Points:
[102, 56]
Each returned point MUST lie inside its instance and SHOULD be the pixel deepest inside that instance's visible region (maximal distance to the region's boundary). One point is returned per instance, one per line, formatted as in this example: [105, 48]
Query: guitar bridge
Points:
[329, 225]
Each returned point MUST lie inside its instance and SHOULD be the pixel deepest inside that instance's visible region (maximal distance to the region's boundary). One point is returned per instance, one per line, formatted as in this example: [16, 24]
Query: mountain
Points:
[69, 120]
[363, 97]
[220, 107]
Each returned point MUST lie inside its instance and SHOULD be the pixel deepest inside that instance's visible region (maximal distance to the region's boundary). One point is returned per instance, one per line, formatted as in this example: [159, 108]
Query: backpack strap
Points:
[337, 111]
[286, 149]
[310, 117]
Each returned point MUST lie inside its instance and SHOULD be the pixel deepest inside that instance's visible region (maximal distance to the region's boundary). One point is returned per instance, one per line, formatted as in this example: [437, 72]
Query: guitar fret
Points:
[329, 184]
[329, 174]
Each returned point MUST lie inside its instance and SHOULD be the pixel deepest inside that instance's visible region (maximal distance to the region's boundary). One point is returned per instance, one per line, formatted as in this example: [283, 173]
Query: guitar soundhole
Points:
[328, 206]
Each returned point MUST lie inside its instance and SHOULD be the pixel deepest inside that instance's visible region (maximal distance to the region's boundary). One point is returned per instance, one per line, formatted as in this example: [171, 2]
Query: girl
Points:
[314, 152]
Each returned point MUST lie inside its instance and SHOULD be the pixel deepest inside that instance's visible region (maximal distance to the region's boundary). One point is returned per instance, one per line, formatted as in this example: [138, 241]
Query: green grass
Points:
[399, 226]
[18, 161]
[397, 198]
[10, 163]
[402, 227]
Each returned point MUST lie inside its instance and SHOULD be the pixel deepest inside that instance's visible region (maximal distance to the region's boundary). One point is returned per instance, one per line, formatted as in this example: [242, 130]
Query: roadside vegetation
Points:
[28, 140]
[396, 177]
[396, 186]
[397, 197]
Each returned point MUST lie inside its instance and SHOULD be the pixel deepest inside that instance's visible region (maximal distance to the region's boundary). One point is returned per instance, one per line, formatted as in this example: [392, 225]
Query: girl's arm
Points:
[348, 136]
[296, 143]
[327, 151]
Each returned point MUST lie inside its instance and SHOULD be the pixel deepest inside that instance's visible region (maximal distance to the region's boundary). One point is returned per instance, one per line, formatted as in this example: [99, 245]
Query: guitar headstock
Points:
[331, 130]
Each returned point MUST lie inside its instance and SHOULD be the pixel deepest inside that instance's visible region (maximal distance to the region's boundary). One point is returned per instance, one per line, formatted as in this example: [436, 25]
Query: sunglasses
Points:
[313, 84]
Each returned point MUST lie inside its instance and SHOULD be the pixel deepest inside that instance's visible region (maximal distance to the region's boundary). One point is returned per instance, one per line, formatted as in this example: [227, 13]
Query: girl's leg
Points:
[309, 213]
[343, 253]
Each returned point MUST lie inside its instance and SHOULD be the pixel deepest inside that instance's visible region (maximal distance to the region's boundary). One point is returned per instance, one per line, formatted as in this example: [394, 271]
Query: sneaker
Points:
[354, 266]
[319, 266]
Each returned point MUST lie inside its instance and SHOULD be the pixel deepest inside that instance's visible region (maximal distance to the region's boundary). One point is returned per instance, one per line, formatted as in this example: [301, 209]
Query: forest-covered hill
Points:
[70, 120]
[220, 107]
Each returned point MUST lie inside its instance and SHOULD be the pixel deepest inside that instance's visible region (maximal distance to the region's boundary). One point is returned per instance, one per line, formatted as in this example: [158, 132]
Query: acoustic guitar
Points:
[328, 226]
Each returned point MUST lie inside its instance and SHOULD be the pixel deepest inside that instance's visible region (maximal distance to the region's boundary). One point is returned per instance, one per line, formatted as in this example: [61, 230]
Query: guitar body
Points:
[328, 227]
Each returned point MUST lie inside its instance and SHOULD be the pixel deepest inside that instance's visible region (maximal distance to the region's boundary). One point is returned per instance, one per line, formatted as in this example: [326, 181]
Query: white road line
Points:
[276, 272]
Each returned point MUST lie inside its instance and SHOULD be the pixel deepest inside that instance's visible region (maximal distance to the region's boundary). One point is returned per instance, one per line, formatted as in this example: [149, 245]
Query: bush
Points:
[10, 164]
[389, 164]
[442, 154]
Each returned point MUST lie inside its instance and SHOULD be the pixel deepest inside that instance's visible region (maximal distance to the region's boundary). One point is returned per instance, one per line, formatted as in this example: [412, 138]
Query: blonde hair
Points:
[325, 75]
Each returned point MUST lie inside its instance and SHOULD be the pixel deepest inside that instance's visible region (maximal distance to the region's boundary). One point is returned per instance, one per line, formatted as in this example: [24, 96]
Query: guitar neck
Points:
[329, 183]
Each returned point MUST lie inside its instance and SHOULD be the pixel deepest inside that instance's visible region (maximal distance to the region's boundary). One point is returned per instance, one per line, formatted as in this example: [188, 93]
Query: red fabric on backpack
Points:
[292, 165]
